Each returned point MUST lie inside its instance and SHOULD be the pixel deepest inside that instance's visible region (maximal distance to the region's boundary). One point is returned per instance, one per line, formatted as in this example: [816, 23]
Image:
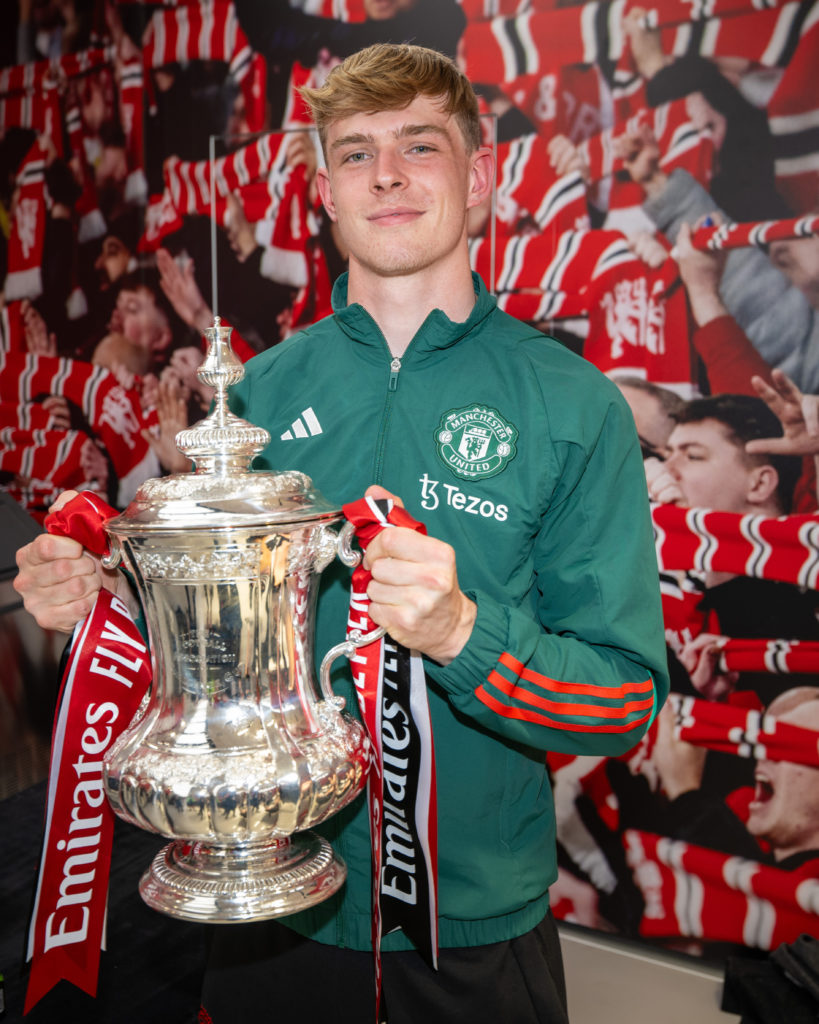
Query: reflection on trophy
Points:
[234, 755]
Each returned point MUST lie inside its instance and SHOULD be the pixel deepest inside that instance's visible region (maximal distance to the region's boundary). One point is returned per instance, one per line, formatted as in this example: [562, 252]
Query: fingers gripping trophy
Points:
[237, 753]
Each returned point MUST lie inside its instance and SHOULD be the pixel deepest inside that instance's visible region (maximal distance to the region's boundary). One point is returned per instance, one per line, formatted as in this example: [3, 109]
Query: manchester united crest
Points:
[475, 442]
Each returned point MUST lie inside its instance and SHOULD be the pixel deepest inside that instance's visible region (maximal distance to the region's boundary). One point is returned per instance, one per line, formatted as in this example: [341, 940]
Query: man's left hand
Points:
[414, 592]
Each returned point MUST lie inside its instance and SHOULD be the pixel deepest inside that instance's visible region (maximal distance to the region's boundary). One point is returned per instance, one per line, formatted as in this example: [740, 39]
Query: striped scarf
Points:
[756, 233]
[746, 732]
[694, 892]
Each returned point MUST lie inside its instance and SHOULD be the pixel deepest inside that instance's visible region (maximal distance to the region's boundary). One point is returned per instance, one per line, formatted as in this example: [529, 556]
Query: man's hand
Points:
[700, 658]
[649, 249]
[701, 273]
[172, 414]
[645, 43]
[565, 157]
[240, 231]
[58, 579]
[798, 413]
[640, 154]
[663, 486]
[414, 592]
[679, 764]
[38, 340]
[182, 291]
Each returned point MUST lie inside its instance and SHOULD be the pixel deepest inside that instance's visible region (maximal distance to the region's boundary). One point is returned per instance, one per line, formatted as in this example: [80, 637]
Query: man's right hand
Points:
[58, 579]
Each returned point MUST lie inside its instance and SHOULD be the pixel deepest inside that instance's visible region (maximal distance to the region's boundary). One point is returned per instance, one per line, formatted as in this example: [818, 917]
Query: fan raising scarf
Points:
[391, 689]
[107, 674]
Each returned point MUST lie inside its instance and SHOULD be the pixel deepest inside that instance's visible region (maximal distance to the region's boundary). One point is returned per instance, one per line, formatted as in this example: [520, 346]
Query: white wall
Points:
[611, 981]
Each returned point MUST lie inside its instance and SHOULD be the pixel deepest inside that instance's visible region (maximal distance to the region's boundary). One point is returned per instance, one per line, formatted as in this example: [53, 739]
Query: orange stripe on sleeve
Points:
[573, 689]
[525, 715]
[517, 693]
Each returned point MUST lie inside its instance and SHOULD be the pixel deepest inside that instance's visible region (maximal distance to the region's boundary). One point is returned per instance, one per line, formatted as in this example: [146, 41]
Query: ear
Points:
[325, 190]
[762, 484]
[481, 176]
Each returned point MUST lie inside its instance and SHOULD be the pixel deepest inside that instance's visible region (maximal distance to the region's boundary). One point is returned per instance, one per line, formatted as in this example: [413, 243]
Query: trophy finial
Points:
[221, 442]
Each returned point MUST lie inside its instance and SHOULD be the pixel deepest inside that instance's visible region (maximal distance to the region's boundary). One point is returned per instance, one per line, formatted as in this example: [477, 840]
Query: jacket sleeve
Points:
[582, 668]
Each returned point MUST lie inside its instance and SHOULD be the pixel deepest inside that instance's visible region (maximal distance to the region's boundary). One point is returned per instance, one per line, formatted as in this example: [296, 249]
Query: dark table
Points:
[151, 972]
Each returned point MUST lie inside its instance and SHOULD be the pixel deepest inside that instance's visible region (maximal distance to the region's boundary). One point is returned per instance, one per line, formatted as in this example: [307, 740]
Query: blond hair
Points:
[389, 76]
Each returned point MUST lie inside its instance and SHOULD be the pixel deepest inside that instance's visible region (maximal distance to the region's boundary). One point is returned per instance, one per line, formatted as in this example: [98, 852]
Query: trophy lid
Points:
[222, 491]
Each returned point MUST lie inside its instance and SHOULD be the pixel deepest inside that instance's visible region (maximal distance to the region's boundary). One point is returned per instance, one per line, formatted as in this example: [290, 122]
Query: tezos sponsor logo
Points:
[455, 498]
[475, 442]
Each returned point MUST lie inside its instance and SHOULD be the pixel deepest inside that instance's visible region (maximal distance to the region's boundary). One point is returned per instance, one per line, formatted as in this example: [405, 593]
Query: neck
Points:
[400, 304]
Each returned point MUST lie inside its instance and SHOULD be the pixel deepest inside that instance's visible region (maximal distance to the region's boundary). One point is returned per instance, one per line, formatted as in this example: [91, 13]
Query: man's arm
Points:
[581, 666]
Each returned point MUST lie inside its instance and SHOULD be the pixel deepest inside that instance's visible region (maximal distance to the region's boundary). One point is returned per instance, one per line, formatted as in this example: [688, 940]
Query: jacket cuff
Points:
[487, 641]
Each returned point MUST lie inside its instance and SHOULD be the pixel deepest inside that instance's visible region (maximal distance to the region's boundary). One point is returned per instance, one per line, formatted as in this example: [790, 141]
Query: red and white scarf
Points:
[703, 894]
[24, 279]
[744, 732]
[107, 675]
[257, 172]
[208, 30]
[755, 233]
[635, 316]
[114, 415]
[391, 689]
[784, 548]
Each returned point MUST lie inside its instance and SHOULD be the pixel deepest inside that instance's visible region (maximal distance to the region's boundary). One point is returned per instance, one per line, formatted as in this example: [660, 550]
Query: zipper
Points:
[392, 387]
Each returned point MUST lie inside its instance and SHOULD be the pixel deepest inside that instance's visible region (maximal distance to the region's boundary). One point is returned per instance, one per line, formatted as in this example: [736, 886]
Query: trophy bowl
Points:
[236, 752]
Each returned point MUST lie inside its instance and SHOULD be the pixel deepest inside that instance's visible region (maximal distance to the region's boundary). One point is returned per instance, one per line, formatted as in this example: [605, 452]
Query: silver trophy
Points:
[235, 753]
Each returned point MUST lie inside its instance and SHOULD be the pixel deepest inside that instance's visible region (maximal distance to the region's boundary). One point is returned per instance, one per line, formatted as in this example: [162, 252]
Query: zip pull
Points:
[395, 366]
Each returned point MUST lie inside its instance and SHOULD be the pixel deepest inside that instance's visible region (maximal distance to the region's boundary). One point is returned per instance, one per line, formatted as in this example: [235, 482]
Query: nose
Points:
[672, 464]
[387, 172]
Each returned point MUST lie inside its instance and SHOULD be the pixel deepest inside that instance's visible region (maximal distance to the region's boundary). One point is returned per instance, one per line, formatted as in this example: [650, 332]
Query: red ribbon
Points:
[391, 689]
[107, 674]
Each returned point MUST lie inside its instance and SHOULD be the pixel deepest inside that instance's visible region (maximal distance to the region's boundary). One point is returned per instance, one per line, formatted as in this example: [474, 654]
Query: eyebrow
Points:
[405, 131]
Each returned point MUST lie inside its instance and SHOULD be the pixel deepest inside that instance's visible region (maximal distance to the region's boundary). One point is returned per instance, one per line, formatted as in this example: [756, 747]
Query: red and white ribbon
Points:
[391, 689]
[108, 672]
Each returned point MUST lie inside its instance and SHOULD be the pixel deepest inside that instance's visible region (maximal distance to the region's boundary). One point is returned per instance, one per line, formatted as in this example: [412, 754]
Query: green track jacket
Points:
[524, 458]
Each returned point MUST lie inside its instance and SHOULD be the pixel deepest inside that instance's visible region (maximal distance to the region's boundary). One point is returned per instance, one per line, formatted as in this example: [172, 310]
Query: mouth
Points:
[395, 215]
[763, 792]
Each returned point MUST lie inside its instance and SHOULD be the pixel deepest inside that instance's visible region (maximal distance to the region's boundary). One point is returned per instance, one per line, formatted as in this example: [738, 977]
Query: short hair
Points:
[389, 76]
[670, 402]
[748, 418]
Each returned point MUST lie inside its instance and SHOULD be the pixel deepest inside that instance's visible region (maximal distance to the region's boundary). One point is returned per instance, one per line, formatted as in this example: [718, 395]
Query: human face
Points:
[798, 259]
[705, 118]
[399, 183]
[785, 808]
[143, 324]
[709, 467]
[113, 260]
[653, 423]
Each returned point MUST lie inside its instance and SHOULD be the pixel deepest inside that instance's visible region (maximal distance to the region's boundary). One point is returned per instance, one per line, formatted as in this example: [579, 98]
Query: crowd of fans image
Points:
[630, 139]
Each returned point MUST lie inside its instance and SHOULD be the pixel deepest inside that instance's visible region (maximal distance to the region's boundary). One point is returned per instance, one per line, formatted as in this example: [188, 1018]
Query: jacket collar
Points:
[436, 332]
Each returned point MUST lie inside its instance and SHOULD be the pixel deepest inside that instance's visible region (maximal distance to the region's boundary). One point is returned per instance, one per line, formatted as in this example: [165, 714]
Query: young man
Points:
[534, 598]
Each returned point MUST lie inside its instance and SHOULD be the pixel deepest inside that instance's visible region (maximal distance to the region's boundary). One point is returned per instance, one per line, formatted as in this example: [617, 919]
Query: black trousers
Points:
[264, 972]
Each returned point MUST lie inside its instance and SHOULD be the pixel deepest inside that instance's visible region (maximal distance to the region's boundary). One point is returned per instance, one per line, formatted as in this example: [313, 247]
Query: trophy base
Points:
[223, 885]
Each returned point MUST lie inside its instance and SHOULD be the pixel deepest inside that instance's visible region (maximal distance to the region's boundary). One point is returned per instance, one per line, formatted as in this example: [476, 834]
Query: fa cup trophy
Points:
[237, 752]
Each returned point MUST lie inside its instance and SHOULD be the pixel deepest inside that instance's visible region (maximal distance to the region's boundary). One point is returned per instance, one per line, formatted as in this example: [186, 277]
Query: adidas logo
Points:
[306, 425]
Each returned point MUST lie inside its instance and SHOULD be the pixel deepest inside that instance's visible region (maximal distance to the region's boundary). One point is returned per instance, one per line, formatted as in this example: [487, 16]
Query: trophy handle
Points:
[114, 556]
[356, 638]
[348, 648]
[344, 550]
